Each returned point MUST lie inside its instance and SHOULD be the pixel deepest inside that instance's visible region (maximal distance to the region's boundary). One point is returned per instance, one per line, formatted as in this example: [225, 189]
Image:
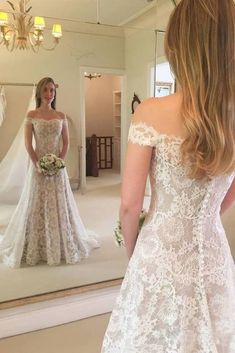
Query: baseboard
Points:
[55, 312]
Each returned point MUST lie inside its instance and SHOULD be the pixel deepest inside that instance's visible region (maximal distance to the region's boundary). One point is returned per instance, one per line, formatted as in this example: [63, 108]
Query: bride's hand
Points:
[37, 166]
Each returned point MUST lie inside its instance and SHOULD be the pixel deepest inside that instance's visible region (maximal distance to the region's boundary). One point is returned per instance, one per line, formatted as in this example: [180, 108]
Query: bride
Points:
[46, 225]
[178, 294]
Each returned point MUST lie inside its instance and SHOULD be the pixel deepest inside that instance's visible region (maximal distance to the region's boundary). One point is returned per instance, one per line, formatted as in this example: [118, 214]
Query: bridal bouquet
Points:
[118, 230]
[50, 164]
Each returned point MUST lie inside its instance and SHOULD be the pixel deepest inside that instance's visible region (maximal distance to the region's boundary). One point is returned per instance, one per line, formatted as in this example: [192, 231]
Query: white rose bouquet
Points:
[50, 164]
[119, 240]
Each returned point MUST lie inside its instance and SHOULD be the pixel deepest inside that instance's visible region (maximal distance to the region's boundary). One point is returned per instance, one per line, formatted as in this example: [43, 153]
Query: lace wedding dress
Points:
[178, 294]
[46, 224]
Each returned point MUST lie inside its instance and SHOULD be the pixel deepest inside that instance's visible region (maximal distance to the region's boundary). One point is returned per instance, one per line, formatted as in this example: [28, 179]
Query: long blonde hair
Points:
[200, 47]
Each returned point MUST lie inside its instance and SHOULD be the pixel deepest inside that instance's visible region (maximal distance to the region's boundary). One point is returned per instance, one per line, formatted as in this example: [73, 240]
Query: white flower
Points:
[43, 159]
[50, 164]
[119, 240]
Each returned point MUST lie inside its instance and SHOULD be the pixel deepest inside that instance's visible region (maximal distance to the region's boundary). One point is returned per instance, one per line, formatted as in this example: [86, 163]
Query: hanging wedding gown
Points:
[178, 294]
[46, 224]
[3, 105]
[14, 166]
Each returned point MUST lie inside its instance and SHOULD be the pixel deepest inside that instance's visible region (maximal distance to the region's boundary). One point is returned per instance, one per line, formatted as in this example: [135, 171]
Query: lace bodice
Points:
[179, 288]
[47, 134]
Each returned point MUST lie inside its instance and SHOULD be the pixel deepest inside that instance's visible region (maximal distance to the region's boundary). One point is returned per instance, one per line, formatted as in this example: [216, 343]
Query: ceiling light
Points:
[91, 75]
[22, 32]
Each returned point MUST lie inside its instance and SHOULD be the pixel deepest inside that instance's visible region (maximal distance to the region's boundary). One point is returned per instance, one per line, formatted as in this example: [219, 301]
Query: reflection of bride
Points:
[46, 224]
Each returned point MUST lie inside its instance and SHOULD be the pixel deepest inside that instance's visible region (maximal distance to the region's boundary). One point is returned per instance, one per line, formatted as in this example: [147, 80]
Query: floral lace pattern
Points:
[178, 294]
[46, 224]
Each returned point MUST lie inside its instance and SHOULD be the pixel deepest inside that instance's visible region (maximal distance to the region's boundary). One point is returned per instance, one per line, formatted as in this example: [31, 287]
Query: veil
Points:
[3, 104]
[13, 167]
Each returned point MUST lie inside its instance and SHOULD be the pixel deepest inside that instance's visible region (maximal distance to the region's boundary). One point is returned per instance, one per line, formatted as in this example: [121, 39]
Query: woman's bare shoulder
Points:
[157, 105]
[61, 115]
[32, 113]
[159, 112]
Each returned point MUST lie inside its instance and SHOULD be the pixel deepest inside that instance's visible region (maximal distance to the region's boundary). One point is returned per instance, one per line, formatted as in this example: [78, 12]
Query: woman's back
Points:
[174, 194]
[158, 123]
[179, 288]
[178, 291]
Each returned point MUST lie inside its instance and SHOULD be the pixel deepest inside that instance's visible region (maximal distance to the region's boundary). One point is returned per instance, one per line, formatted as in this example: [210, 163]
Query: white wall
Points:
[140, 51]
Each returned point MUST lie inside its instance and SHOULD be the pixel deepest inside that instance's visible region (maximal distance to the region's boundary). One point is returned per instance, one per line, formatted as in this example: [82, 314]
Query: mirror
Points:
[114, 52]
[125, 52]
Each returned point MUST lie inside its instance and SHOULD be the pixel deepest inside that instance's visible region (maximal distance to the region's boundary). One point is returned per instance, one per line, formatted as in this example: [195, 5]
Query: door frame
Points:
[104, 71]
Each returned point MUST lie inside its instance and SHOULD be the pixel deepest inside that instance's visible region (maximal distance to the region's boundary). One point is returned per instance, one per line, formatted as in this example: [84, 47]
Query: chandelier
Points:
[91, 75]
[23, 31]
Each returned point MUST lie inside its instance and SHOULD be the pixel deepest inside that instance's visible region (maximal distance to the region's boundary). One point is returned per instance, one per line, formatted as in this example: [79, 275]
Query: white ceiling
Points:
[112, 12]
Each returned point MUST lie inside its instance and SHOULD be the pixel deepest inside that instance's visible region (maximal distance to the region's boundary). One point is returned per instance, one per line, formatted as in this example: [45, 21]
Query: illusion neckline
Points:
[159, 134]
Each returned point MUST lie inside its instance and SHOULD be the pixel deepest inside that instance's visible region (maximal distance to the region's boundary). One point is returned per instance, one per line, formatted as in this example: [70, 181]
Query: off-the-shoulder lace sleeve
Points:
[65, 121]
[28, 120]
[142, 134]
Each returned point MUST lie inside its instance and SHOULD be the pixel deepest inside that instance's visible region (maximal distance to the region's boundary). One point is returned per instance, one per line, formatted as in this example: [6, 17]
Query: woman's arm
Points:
[229, 199]
[137, 165]
[132, 194]
[65, 139]
[28, 137]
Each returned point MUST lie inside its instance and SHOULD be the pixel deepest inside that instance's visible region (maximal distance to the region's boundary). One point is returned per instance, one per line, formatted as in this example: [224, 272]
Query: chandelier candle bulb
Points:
[3, 18]
[56, 31]
[39, 23]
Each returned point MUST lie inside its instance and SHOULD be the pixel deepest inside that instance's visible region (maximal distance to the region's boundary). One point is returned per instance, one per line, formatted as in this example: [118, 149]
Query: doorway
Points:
[102, 127]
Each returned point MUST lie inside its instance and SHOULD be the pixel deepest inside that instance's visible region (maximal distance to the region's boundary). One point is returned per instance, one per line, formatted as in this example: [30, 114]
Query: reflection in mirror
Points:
[100, 106]
[103, 125]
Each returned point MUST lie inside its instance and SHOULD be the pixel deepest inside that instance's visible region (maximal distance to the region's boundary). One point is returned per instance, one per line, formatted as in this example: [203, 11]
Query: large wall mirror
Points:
[122, 53]
[98, 68]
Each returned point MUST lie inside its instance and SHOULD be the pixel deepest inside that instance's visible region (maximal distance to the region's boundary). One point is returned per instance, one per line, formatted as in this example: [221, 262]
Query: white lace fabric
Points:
[178, 294]
[46, 225]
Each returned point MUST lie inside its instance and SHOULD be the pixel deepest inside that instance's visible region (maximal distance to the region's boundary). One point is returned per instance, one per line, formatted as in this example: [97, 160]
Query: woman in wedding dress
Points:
[46, 225]
[178, 294]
